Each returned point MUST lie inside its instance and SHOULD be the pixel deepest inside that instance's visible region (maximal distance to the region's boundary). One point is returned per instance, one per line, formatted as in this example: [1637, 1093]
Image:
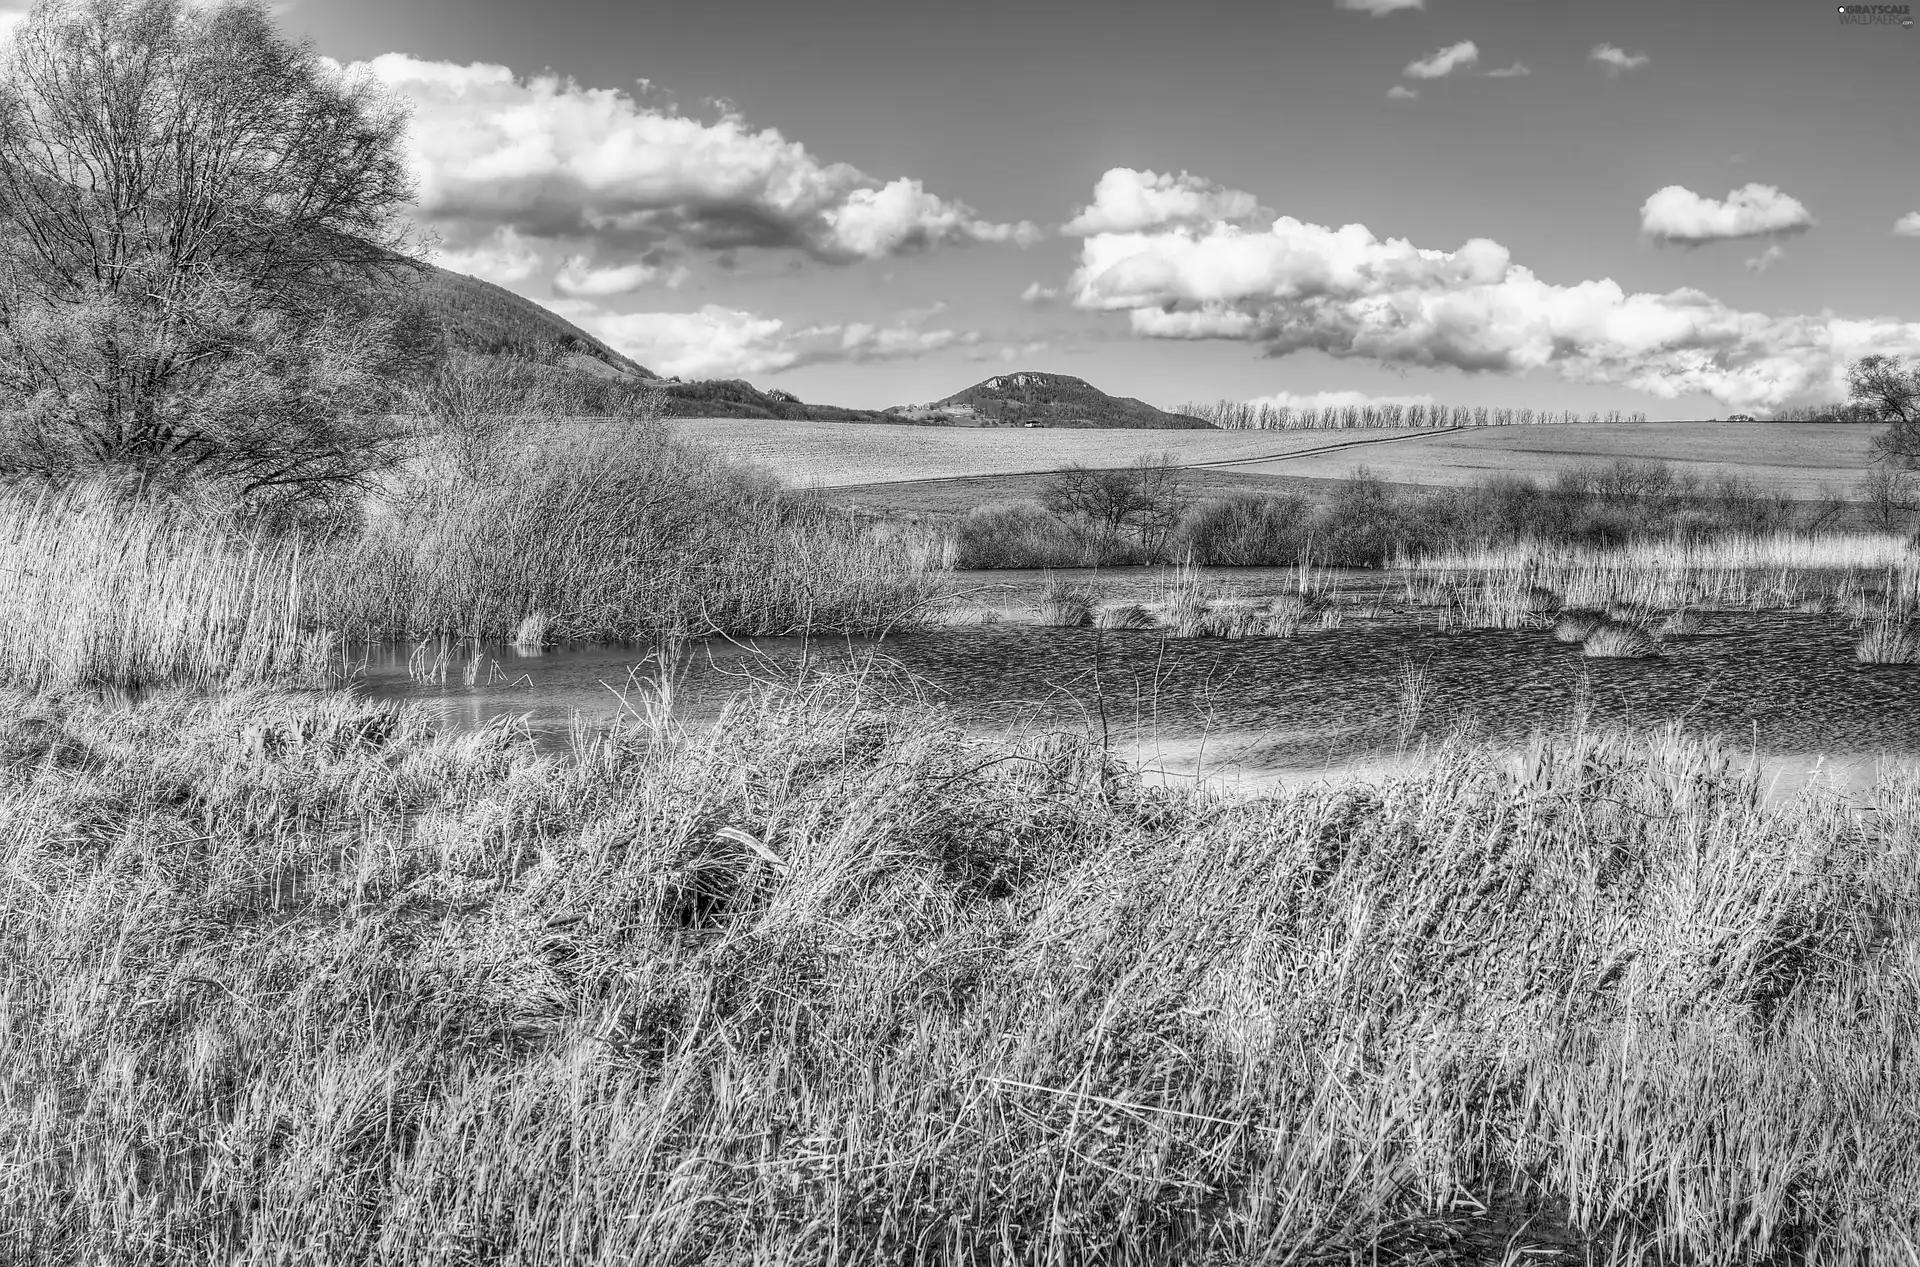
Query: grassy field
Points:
[1799, 459]
[835, 454]
[1803, 460]
[948, 498]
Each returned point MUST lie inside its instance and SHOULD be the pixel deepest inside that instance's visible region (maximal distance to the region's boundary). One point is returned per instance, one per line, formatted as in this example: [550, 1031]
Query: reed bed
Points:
[1887, 642]
[829, 980]
[610, 536]
[96, 590]
[1769, 573]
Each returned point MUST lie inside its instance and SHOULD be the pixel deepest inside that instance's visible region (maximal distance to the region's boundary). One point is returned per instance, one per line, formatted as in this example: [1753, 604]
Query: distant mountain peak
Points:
[1053, 400]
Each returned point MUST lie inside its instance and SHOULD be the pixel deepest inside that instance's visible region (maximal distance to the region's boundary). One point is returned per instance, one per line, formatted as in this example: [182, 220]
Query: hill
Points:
[492, 320]
[1054, 400]
[482, 317]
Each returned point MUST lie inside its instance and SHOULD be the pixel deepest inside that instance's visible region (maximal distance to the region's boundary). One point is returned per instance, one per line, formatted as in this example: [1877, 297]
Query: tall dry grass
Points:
[617, 533]
[97, 589]
[830, 981]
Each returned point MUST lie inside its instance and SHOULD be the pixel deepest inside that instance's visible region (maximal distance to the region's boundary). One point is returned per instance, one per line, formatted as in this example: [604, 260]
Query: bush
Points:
[1246, 530]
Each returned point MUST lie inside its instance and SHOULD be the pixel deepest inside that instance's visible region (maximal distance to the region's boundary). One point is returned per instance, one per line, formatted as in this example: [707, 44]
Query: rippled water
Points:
[1782, 683]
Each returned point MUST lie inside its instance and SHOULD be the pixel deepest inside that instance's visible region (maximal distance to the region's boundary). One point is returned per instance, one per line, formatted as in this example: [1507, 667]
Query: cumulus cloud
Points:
[1617, 60]
[721, 342]
[1035, 293]
[1907, 226]
[501, 256]
[552, 160]
[1129, 201]
[1514, 71]
[1379, 8]
[1400, 92]
[1347, 293]
[1767, 258]
[1677, 214]
[1440, 64]
[579, 277]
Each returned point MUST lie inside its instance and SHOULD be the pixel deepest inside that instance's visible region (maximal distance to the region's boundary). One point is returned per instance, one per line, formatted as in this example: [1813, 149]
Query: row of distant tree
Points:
[1242, 415]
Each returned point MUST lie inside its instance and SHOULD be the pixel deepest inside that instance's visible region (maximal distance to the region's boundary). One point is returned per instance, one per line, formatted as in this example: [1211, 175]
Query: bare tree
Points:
[1881, 388]
[1888, 496]
[199, 237]
[1146, 498]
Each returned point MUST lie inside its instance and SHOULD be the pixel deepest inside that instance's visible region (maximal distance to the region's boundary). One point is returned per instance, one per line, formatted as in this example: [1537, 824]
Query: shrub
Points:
[1246, 530]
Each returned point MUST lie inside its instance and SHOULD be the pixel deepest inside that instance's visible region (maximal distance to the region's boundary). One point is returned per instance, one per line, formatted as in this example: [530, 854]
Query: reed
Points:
[1123, 616]
[1887, 642]
[1068, 604]
[295, 973]
[100, 590]
[612, 536]
[1577, 624]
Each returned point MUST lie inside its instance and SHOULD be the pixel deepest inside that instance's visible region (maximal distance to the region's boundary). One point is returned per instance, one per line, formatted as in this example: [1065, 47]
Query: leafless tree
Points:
[1882, 388]
[199, 241]
[1888, 495]
[1146, 498]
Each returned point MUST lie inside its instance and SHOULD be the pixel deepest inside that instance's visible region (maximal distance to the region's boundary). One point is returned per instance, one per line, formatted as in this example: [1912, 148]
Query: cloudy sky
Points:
[1688, 208]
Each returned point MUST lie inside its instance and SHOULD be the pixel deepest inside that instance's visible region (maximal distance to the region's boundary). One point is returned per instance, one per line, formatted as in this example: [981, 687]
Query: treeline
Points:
[1367, 522]
[1243, 415]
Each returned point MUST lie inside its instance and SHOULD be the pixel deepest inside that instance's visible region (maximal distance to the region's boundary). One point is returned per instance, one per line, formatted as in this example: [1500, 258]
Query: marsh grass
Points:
[1887, 642]
[1619, 640]
[1067, 603]
[296, 976]
[1123, 616]
[617, 535]
[98, 590]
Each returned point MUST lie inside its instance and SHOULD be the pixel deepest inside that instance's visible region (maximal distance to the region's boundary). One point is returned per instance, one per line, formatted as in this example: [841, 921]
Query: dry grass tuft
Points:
[1067, 604]
[1887, 642]
[1616, 640]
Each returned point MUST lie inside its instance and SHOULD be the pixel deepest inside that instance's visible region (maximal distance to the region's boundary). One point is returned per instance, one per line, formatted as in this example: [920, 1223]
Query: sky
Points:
[1684, 207]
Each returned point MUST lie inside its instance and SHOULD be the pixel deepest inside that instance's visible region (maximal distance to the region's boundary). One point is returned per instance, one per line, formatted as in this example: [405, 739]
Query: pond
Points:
[1785, 684]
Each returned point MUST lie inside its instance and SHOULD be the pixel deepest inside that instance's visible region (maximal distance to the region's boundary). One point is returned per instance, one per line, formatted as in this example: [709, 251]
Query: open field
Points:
[836, 454]
[1800, 459]
[948, 498]
[1803, 460]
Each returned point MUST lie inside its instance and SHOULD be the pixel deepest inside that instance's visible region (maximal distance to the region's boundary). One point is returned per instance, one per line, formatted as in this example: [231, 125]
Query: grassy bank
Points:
[614, 534]
[293, 978]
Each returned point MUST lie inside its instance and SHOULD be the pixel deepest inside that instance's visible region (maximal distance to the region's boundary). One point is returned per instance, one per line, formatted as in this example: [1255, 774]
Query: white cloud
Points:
[1515, 71]
[1677, 214]
[719, 342]
[501, 256]
[1444, 62]
[1379, 8]
[1129, 201]
[579, 278]
[1400, 92]
[1616, 60]
[1767, 258]
[1345, 292]
[1907, 226]
[1035, 293]
[1332, 400]
[556, 161]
